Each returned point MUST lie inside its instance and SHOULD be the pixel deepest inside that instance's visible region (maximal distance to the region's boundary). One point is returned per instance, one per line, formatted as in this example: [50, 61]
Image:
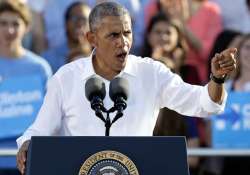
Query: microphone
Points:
[95, 92]
[119, 92]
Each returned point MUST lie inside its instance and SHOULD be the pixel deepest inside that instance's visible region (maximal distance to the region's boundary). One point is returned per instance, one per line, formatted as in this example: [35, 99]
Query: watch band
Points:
[218, 80]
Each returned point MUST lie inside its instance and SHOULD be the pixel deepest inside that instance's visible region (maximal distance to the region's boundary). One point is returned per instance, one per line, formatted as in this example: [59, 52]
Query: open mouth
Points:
[121, 56]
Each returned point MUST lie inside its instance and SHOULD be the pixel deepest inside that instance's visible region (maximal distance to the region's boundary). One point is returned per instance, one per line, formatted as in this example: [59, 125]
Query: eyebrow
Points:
[110, 33]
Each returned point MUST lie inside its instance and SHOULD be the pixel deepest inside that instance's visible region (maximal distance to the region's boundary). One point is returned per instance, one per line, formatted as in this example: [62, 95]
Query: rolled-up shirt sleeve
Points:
[186, 99]
[209, 105]
[48, 120]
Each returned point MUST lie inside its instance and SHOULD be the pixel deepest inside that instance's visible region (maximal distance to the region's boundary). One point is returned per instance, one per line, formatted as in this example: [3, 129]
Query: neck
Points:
[12, 51]
[103, 70]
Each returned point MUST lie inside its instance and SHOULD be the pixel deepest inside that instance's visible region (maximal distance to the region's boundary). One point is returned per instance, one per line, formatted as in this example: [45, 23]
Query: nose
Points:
[164, 36]
[81, 23]
[122, 42]
[10, 29]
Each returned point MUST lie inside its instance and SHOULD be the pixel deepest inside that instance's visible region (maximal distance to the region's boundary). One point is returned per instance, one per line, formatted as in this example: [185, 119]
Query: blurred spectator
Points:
[164, 42]
[15, 60]
[241, 83]
[201, 23]
[76, 25]
[227, 39]
[14, 23]
[34, 40]
[235, 16]
[213, 165]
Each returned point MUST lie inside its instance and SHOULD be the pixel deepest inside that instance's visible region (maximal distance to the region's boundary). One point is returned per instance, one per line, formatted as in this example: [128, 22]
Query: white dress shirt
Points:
[66, 111]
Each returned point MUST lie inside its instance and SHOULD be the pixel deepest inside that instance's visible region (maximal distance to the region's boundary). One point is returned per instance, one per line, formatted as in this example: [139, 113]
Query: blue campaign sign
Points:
[20, 101]
[232, 128]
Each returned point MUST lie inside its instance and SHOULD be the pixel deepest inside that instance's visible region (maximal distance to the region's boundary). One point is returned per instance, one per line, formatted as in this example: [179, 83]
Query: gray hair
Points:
[103, 10]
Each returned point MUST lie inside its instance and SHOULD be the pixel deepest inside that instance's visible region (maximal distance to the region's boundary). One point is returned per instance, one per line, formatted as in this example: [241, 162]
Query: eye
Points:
[3, 23]
[127, 33]
[114, 35]
[16, 24]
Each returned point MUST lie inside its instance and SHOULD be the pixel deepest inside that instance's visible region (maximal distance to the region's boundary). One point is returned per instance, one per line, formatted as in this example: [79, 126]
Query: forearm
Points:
[216, 91]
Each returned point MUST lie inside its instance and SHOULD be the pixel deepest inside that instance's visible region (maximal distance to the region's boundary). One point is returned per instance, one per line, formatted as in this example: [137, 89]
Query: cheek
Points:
[245, 54]
[173, 35]
[107, 49]
[21, 32]
[245, 58]
[153, 40]
[130, 39]
[2, 30]
[174, 40]
[70, 28]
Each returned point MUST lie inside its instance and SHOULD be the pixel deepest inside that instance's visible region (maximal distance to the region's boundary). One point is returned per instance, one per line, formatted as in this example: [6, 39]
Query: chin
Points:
[120, 67]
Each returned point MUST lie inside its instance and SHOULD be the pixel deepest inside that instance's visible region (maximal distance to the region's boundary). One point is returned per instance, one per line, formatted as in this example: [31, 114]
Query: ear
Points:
[91, 37]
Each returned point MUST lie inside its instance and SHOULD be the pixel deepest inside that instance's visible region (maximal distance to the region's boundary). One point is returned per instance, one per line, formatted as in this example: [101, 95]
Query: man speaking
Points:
[66, 110]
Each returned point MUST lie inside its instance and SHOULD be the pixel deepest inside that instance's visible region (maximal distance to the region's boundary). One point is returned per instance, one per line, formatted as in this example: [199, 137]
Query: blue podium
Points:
[107, 155]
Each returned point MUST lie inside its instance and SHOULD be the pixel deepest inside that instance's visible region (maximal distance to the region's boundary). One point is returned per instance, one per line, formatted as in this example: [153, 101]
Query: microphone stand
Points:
[107, 125]
[107, 121]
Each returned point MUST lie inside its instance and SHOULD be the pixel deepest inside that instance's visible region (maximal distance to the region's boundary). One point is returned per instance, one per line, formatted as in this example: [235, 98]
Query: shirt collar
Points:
[130, 67]
[87, 67]
[89, 71]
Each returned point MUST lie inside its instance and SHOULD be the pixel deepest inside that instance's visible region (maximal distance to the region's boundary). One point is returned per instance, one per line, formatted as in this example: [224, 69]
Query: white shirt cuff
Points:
[20, 140]
[209, 105]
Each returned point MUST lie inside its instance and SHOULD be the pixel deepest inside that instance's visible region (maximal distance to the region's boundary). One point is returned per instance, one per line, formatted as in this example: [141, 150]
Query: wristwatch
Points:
[218, 80]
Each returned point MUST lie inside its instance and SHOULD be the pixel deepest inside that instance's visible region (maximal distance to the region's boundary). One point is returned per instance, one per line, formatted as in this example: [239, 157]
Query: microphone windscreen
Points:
[94, 86]
[119, 87]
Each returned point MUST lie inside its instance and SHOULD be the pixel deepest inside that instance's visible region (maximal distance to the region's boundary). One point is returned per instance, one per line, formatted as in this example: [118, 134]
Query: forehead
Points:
[163, 26]
[116, 23]
[9, 15]
[161, 23]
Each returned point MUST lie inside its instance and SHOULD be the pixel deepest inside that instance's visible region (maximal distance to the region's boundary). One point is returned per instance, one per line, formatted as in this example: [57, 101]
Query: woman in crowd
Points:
[165, 43]
[200, 23]
[240, 83]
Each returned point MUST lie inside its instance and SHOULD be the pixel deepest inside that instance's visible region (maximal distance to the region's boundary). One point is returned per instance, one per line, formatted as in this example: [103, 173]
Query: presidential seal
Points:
[108, 163]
